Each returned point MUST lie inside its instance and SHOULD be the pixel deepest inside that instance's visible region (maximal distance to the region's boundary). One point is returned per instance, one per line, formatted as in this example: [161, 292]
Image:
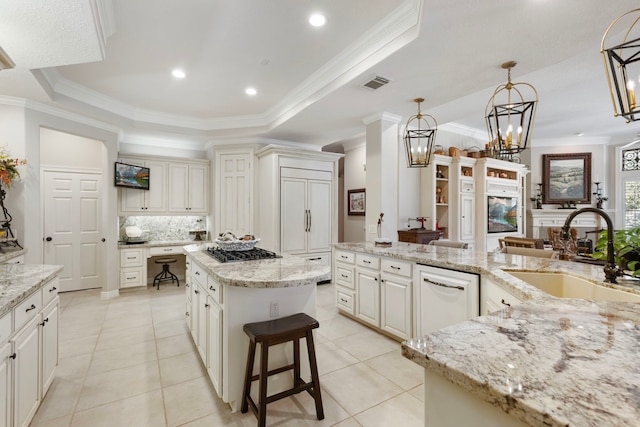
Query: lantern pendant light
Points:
[419, 136]
[621, 65]
[510, 117]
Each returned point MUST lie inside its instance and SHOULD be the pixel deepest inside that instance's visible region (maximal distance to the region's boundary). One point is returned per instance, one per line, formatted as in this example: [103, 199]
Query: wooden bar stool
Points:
[278, 331]
[165, 274]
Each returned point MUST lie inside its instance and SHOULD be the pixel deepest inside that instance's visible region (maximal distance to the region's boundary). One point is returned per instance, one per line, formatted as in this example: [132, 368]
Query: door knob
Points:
[48, 239]
[104, 240]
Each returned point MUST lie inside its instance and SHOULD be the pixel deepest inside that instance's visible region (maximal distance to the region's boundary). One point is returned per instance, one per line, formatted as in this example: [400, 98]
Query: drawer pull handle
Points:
[44, 322]
[395, 268]
[131, 278]
[167, 249]
[187, 285]
[505, 303]
[212, 288]
[132, 257]
[53, 289]
[207, 306]
[344, 300]
[186, 314]
[315, 259]
[344, 256]
[344, 275]
[196, 291]
[444, 285]
[13, 356]
[33, 307]
[366, 261]
[198, 273]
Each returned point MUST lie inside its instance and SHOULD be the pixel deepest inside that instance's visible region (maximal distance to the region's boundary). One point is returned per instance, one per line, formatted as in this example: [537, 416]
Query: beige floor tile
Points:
[58, 422]
[174, 345]
[191, 400]
[74, 367]
[77, 346]
[115, 338]
[118, 358]
[339, 327]
[367, 344]
[127, 321]
[118, 384]
[403, 410]
[181, 368]
[349, 422]
[398, 369]
[418, 392]
[171, 328]
[144, 410]
[331, 357]
[224, 419]
[62, 397]
[358, 388]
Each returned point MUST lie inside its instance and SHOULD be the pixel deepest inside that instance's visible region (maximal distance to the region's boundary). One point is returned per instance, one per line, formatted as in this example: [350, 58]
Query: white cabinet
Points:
[15, 260]
[214, 337]
[188, 188]
[435, 194]
[395, 298]
[154, 200]
[5, 384]
[133, 269]
[344, 277]
[368, 295]
[467, 217]
[234, 191]
[495, 297]
[443, 298]
[49, 325]
[26, 387]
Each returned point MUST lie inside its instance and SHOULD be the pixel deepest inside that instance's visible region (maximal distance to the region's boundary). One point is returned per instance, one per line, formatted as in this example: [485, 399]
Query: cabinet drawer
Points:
[497, 298]
[198, 274]
[397, 267]
[5, 328]
[131, 277]
[15, 260]
[347, 257]
[166, 250]
[27, 310]
[467, 186]
[368, 261]
[214, 290]
[499, 185]
[345, 276]
[50, 291]
[345, 301]
[131, 257]
[319, 258]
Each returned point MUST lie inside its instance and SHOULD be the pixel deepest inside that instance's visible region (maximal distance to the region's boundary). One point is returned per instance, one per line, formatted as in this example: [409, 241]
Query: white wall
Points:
[63, 149]
[354, 177]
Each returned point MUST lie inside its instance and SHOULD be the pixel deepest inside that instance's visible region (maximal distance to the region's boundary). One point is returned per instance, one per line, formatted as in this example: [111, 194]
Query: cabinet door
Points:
[26, 396]
[319, 216]
[5, 385]
[235, 179]
[178, 187]
[467, 217]
[395, 305]
[133, 200]
[195, 312]
[293, 215]
[214, 345]
[198, 198]
[156, 196]
[50, 316]
[368, 296]
[443, 298]
[203, 312]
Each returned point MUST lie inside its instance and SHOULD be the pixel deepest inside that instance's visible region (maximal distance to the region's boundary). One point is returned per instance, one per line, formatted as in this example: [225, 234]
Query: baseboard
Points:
[110, 294]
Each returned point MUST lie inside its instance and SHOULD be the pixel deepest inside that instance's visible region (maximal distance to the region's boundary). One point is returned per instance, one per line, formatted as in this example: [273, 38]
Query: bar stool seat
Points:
[278, 331]
[165, 275]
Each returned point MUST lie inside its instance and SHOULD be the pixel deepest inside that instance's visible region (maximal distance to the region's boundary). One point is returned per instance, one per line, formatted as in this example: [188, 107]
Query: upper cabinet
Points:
[188, 188]
[176, 186]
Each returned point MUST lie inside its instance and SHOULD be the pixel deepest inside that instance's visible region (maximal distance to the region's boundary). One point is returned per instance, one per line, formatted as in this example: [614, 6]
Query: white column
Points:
[382, 175]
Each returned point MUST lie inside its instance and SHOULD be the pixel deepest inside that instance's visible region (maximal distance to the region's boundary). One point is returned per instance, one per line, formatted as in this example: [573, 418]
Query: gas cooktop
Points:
[235, 256]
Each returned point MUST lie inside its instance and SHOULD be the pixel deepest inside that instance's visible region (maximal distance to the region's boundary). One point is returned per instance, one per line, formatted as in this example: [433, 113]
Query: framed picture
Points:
[502, 214]
[131, 176]
[566, 178]
[356, 201]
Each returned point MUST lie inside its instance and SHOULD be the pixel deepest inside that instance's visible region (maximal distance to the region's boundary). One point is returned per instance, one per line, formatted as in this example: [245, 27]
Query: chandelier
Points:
[622, 66]
[419, 136]
[510, 118]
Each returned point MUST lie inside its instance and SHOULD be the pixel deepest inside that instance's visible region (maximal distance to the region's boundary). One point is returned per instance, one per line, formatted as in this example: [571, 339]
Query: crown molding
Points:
[464, 130]
[389, 117]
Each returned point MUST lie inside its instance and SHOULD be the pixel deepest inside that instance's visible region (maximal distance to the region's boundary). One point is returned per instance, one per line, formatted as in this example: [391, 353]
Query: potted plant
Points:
[626, 245]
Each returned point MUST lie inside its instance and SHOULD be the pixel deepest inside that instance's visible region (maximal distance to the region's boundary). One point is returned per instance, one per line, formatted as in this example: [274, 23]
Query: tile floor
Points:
[130, 361]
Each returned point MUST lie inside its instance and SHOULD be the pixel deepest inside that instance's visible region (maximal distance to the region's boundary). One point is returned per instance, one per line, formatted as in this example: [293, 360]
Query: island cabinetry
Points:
[495, 297]
[133, 271]
[443, 297]
[214, 334]
[368, 289]
[198, 314]
[344, 279]
[152, 201]
[188, 188]
[395, 288]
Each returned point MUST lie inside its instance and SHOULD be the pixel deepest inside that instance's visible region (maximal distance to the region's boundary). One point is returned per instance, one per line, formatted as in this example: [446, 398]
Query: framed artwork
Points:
[356, 201]
[131, 176]
[502, 214]
[566, 178]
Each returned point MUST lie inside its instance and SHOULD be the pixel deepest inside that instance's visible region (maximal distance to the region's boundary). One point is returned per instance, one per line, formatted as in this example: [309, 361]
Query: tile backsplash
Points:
[163, 227]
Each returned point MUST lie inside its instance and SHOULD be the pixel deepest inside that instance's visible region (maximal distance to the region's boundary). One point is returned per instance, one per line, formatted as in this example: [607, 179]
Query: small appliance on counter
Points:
[198, 235]
[134, 236]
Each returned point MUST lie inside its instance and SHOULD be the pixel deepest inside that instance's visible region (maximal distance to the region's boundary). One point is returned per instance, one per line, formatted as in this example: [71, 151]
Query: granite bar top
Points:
[18, 281]
[548, 361]
[157, 243]
[288, 271]
[7, 253]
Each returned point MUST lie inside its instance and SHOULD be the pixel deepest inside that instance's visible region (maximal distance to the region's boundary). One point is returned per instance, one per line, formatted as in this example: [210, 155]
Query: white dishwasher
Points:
[443, 298]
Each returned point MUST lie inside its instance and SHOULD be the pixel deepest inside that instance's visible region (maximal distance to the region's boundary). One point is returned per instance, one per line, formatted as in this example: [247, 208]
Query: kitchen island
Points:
[543, 362]
[222, 297]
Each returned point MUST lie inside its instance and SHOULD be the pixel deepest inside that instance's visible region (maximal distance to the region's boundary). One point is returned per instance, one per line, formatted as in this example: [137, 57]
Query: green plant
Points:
[626, 246]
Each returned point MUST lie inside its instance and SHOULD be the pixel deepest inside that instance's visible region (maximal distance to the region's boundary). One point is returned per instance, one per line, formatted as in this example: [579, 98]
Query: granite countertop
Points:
[8, 253]
[548, 361]
[18, 281]
[288, 271]
[157, 243]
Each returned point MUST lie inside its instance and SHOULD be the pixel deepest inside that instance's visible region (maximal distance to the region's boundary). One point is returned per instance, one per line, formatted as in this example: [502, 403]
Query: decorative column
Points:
[382, 139]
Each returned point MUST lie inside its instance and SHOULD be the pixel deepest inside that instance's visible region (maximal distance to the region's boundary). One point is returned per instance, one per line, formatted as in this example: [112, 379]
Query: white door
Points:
[178, 187]
[73, 228]
[198, 198]
[319, 221]
[294, 216]
[467, 205]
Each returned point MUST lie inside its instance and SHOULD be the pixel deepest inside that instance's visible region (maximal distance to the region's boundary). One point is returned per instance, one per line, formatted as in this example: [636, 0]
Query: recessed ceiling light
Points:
[317, 20]
[579, 133]
[251, 91]
[178, 73]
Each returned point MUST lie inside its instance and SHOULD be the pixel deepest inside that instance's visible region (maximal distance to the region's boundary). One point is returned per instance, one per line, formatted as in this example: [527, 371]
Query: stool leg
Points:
[247, 377]
[314, 375]
[296, 363]
[264, 373]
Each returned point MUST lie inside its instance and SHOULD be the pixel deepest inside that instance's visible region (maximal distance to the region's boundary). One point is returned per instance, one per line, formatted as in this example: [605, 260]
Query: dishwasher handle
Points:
[443, 285]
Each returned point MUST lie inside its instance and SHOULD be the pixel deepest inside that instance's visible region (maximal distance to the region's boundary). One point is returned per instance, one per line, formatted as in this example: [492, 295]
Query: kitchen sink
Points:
[567, 286]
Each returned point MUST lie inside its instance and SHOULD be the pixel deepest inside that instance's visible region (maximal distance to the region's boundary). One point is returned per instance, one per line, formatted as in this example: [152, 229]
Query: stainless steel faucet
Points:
[611, 270]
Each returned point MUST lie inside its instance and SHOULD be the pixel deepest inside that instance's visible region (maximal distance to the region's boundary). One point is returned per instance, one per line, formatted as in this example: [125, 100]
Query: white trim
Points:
[389, 117]
[464, 130]
[109, 294]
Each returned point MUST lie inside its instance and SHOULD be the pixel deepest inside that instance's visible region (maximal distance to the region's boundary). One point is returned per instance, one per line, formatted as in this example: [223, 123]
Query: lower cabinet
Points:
[49, 327]
[495, 297]
[395, 308]
[368, 296]
[214, 344]
[5, 384]
[26, 387]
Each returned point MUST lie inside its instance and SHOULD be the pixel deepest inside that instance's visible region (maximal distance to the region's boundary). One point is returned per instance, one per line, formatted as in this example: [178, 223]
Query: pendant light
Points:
[419, 136]
[510, 117]
[621, 65]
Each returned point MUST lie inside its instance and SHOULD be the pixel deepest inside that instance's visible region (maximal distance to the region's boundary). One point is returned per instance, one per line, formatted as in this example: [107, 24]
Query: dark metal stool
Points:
[278, 331]
[165, 275]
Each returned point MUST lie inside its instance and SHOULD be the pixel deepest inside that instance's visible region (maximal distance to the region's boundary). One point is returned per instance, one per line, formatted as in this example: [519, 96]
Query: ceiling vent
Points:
[375, 82]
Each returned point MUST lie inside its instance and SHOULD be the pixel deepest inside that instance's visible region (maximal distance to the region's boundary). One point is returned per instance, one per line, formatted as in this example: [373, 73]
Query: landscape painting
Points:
[567, 178]
[131, 176]
[502, 214]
